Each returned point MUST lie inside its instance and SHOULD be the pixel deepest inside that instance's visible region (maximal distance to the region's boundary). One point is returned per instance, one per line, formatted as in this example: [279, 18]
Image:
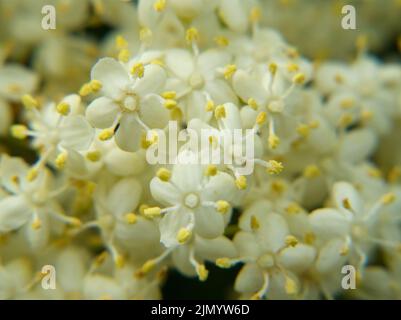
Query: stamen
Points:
[164, 174]
[229, 71]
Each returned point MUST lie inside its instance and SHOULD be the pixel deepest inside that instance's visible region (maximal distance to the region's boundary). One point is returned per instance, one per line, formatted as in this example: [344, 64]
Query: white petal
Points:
[250, 279]
[220, 92]
[112, 75]
[247, 244]
[346, 191]
[330, 258]
[38, 238]
[248, 87]
[9, 169]
[180, 62]
[123, 163]
[234, 14]
[272, 232]
[171, 223]
[128, 136]
[329, 223]
[188, 177]
[209, 223]
[76, 133]
[153, 113]
[212, 249]
[14, 212]
[298, 258]
[220, 187]
[165, 192]
[98, 287]
[124, 196]
[153, 81]
[102, 112]
[16, 80]
[358, 145]
[210, 60]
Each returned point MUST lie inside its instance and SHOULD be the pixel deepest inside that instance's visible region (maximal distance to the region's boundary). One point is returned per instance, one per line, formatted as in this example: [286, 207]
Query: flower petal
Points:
[171, 223]
[129, 134]
[124, 196]
[102, 112]
[153, 113]
[113, 76]
[153, 81]
[209, 223]
[14, 212]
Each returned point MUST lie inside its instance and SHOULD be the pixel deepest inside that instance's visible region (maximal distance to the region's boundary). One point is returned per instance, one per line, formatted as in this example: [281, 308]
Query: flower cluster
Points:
[78, 193]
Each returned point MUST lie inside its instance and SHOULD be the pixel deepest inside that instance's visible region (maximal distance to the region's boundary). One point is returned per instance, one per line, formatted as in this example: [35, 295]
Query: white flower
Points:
[127, 102]
[196, 201]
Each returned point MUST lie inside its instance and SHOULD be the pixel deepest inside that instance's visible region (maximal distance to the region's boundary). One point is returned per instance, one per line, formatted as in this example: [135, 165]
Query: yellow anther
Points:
[255, 15]
[293, 208]
[303, 130]
[131, 218]
[138, 70]
[346, 119]
[273, 68]
[224, 263]
[261, 118]
[209, 106]
[293, 53]
[148, 266]
[145, 34]
[344, 250]
[95, 85]
[299, 78]
[101, 258]
[157, 62]
[63, 108]
[347, 204]
[152, 212]
[374, 173]
[202, 272]
[252, 103]
[361, 42]
[220, 112]
[221, 41]
[222, 206]
[29, 102]
[75, 222]
[311, 171]
[309, 238]
[19, 131]
[290, 286]
[388, 198]
[183, 235]
[394, 174]
[229, 71]
[314, 124]
[164, 174]
[366, 115]
[291, 241]
[241, 182]
[347, 103]
[255, 224]
[176, 114]
[106, 134]
[36, 223]
[275, 167]
[273, 141]
[211, 170]
[170, 104]
[121, 42]
[94, 156]
[142, 208]
[85, 90]
[61, 160]
[278, 186]
[160, 5]
[119, 261]
[32, 174]
[124, 55]
[292, 67]
[192, 35]
[169, 94]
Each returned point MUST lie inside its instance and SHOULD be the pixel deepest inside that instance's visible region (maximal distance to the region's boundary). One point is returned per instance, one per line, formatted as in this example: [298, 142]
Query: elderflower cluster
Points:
[79, 122]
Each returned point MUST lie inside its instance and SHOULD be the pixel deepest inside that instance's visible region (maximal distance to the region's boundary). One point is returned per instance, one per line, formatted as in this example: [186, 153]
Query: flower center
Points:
[191, 200]
[196, 81]
[130, 103]
[266, 260]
